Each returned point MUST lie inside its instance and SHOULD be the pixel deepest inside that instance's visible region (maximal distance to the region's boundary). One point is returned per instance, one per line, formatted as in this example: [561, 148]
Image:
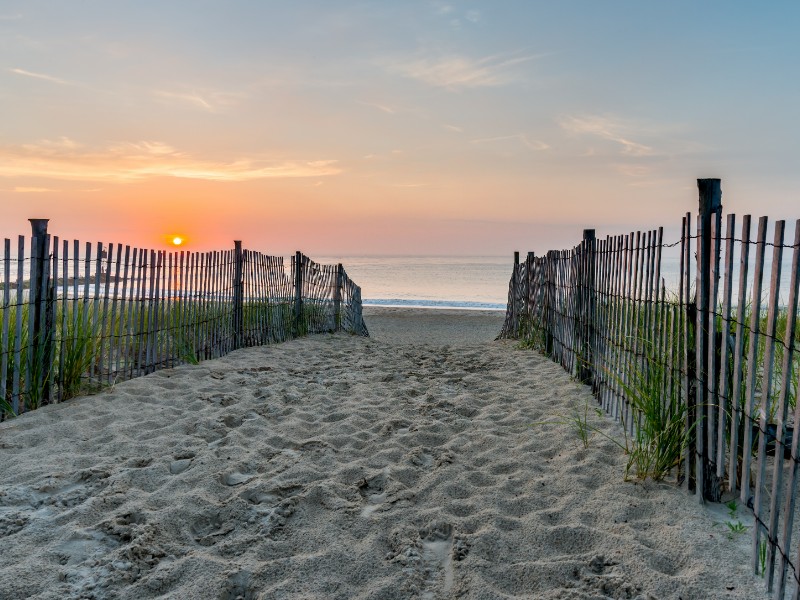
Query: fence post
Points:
[586, 314]
[337, 298]
[41, 309]
[529, 260]
[238, 295]
[514, 296]
[549, 302]
[298, 293]
[710, 193]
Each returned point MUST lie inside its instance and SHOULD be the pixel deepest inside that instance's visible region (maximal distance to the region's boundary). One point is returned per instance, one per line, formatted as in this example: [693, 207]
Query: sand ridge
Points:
[342, 467]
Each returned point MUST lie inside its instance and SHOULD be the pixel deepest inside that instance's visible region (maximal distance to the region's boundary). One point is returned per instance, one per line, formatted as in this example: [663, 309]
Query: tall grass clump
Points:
[78, 351]
[659, 436]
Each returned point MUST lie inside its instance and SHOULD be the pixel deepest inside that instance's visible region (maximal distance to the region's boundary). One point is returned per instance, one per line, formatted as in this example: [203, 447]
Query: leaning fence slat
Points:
[199, 304]
[603, 320]
[683, 346]
[738, 356]
[133, 337]
[700, 329]
[27, 382]
[64, 316]
[104, 318]
[48, 309]
[752, 355]
[725, 404]
[6, 315]
[712, 393]
[216, 303]
[659, 321]
[114, 337]
[633, 327]
[97, 326]
[766, 389]
[619, 323]
[124, 308]
[203, 269]
[77, 319]
[15, 378]
[624, 313]
[789, 342]
[146, 309]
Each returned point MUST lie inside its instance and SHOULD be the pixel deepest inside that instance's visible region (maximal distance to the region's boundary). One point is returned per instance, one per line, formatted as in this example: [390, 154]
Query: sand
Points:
[337, 467]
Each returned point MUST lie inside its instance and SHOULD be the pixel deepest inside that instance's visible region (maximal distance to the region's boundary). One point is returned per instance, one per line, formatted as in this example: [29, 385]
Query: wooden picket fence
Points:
[725, 356]
[79, 317]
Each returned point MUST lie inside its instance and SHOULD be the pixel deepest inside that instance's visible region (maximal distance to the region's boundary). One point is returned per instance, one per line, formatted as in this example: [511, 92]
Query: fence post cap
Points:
[39, 226]
[710, 195]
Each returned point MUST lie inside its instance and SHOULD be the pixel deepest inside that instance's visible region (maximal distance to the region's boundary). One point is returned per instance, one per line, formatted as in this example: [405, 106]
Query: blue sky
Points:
[392, 127]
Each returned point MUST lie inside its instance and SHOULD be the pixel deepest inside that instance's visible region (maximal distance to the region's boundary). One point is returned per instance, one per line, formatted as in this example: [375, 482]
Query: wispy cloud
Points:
[41, 76]
[520, 137]
[459, 72]
[64, 159]
[453, 128]
[609, 128]
[14, 17]
[381, 107]
[210, 101]
[33, 190]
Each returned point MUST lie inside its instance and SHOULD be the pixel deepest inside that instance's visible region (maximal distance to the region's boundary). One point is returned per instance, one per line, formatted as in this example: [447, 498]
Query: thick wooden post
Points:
[337, 298]
[710, 192]
[298, 293]
[41, 313]
[238, 295]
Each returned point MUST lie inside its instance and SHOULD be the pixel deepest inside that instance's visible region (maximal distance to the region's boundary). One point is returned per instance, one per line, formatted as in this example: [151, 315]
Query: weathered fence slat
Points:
[766, 388]
[752, 353]
[725, 404]
[738, 356]
[6, 315]
[782, 543]
[15, 381]
[685, 329]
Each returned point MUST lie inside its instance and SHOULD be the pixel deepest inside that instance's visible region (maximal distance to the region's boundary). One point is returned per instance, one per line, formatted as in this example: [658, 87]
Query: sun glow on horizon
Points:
[177, 240]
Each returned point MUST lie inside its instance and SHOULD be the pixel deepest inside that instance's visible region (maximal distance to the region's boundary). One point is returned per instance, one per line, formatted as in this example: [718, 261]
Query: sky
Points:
[392, 127]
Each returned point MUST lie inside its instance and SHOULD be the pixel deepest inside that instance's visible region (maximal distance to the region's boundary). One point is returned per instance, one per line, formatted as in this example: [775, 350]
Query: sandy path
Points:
[339, 467]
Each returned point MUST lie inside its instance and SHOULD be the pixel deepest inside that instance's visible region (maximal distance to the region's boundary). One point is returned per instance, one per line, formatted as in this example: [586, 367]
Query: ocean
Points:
[465, 282]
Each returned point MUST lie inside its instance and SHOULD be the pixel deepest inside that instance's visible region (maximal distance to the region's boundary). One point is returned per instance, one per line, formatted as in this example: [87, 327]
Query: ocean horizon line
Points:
[434, 304]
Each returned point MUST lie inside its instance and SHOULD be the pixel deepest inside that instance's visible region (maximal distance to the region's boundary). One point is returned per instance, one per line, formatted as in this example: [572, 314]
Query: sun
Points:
[177, 240]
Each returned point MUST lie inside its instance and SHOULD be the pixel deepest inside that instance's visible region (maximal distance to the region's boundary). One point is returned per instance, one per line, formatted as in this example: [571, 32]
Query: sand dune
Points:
[339, 467]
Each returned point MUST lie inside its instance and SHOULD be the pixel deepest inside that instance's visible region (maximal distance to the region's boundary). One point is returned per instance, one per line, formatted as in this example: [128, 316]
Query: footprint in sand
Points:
[208, 527]
[421, 458]
[273, 506]
[233, 478]
[437, 555]
[372, 489]
[182, 462]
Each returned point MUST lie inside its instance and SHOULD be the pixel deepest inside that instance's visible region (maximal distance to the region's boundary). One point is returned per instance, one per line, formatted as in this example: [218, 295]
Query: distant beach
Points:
[401, 466]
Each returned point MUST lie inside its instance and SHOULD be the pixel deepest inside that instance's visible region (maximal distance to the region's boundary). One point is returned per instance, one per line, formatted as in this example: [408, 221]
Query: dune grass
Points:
[93, 346]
